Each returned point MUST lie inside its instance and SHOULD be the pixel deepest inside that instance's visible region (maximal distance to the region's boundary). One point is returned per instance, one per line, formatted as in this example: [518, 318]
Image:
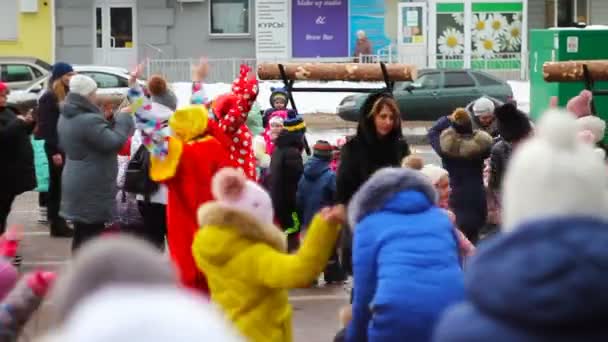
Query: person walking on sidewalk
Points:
[91, 143]
[48, 112]
[17, 174]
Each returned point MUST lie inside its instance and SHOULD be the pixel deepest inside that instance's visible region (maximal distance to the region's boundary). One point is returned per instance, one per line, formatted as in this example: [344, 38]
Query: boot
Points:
[60, 229]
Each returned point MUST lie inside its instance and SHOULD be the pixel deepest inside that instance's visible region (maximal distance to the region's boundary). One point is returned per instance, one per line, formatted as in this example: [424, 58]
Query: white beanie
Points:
[151, 314]
[483, 105]
[434, 172]
[82, 85]
[554, 174]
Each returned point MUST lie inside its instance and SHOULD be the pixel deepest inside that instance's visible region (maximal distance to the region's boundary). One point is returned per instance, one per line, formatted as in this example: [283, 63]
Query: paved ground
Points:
[315, 309]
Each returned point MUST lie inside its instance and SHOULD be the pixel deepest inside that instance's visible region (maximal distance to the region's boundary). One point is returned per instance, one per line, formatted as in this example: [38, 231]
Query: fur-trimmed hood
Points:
[385, 185]
[456, 145]
[245, 225]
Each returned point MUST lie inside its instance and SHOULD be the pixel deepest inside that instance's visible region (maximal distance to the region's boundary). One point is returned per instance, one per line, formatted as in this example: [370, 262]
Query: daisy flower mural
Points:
[481, 26]
[458, 18]
[451, 42]
[512, 36]
[497, 24]
[487, 46]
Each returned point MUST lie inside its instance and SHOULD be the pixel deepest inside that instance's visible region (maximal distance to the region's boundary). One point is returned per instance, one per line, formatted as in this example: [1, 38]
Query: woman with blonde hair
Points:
[48, 116]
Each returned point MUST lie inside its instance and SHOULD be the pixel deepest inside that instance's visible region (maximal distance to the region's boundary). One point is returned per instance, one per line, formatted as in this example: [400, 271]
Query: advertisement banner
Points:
[272, 30]
[319, 28]
[377, 19]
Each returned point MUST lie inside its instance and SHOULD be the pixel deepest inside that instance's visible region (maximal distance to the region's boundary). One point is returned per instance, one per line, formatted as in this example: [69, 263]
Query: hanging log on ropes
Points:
[337, 72]
[572, 71]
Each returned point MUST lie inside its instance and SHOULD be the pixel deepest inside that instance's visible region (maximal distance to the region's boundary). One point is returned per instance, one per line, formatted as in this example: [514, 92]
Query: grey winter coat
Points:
[91, 144]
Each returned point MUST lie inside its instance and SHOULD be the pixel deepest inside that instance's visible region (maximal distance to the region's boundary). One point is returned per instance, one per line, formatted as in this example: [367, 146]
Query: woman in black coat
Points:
[48, 115]
[463, 152]
[17, 173]
[379, 143]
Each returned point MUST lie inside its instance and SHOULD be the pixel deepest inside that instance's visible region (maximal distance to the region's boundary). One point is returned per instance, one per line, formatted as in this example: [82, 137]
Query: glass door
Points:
[115, 34]
[412, 33]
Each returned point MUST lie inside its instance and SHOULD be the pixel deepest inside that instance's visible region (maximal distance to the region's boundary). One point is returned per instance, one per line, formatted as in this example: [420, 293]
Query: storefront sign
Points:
[319, 28]
[272, 31]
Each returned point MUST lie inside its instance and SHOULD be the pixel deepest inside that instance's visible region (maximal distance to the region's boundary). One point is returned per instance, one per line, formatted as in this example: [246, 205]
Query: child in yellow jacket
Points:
[244, 256]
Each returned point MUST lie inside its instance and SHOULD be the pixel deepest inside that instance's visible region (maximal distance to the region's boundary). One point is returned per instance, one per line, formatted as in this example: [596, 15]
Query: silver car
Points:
[21, 72]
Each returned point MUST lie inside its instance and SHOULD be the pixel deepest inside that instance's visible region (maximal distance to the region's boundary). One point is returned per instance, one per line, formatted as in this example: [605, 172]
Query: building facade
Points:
[26, 28]
[124, 32]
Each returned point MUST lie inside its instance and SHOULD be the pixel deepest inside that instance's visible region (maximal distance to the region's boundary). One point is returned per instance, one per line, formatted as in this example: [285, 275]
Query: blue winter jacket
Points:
[316, 189]
[545, 282]
[405, 259]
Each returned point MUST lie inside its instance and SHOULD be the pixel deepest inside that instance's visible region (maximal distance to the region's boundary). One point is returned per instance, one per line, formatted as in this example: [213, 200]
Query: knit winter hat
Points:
[60, 69]
[121, 260]
[434, 172]
[153, 314]
[483, 106]
[554, 175]
[323, 150]
[82, 85]
[4, 88]
[461, 121]
[580, 105]
[189, 122]
[232, 189]
[513, 124]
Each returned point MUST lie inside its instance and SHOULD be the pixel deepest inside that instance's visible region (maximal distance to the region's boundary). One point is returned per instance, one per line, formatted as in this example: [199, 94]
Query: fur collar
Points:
[214, 213]
[383, 186]
[461, 146]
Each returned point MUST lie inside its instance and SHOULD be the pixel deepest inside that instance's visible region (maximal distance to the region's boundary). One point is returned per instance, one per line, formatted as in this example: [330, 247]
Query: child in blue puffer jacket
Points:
[405, 259]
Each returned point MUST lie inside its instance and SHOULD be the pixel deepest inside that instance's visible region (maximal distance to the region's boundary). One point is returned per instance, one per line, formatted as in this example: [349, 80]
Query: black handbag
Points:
[137, 176]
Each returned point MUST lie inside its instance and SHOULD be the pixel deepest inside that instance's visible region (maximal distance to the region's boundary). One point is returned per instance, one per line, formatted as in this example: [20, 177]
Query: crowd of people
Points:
[501, 241]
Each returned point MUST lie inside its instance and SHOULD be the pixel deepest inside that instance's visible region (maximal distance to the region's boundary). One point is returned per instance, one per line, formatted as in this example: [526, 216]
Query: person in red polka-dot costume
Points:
[231, 112]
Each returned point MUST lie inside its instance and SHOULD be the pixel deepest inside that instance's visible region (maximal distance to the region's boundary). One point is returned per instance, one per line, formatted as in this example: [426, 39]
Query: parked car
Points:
[112, 83]
[435, 93]
[22, 72]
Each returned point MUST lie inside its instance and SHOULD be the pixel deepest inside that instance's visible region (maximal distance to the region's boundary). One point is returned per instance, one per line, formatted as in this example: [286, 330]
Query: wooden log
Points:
[572, 71]
[337, 72]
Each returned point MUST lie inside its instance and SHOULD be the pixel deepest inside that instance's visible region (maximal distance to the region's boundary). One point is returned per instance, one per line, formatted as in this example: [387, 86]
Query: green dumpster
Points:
[559, 45]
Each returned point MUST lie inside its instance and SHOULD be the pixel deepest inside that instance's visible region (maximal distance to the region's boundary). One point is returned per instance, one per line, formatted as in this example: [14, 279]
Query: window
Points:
[18, 73]
[458, 79]
[9, 23]
[582, 11]
[485, 80]
[429, 81]
[230, 17]
[105, 81]
[37, 73]
[565, 13]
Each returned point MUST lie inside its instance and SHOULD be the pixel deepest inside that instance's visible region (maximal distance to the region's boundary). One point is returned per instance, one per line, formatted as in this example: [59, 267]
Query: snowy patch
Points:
[310, 103]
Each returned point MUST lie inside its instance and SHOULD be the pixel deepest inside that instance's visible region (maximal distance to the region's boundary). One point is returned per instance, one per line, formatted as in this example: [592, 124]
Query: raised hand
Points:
[201, 70]
[136, 73]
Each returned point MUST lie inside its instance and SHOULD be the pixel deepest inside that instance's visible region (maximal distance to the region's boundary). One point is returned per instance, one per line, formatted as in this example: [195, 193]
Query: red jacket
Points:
[193, 158]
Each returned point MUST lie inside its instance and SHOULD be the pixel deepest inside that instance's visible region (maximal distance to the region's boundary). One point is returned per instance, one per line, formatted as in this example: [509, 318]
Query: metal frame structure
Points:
[289, 86]
[590, 85]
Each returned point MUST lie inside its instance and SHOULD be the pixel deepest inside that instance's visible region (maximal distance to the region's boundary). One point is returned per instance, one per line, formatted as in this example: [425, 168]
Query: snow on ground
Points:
[308, 102]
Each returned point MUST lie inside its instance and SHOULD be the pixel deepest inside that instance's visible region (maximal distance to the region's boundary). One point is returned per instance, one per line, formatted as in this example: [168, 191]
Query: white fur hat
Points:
[151, 314]
[82, 85]
[554, 174]
[434, 172]
[231, 188]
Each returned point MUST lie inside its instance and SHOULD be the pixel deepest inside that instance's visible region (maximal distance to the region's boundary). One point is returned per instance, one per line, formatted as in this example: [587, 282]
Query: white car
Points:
[112, 83]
